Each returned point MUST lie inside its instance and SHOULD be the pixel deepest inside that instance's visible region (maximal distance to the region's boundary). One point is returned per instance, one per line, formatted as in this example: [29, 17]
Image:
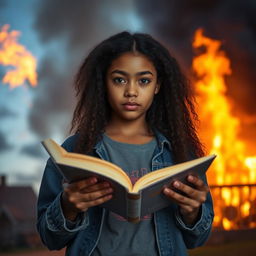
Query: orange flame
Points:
[14, 54]
[220, 128]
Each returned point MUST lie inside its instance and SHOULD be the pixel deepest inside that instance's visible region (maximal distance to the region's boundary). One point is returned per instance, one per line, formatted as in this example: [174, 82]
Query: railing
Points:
[234, 206]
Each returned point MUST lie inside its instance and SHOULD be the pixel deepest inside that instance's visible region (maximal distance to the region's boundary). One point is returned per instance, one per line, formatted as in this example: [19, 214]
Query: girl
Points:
[134, 109]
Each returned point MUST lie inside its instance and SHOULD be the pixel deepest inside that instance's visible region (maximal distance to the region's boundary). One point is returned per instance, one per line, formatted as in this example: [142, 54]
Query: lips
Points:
[131, 105]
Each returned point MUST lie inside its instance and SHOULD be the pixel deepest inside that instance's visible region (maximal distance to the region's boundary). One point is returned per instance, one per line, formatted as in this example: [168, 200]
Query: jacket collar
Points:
[162, 140]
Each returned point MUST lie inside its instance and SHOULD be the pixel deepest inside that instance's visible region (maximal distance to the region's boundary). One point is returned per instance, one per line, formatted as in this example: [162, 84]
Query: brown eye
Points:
[119, 80]
[144, 81]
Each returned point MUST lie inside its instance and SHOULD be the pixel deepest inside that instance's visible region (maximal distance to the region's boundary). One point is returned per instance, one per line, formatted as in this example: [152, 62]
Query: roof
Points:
[19, 200]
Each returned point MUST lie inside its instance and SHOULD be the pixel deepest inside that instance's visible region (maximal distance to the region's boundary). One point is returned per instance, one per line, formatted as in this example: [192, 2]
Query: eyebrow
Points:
[126, 74]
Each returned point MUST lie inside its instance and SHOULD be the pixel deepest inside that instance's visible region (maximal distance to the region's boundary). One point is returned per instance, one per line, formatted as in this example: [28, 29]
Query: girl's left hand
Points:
[190, 203]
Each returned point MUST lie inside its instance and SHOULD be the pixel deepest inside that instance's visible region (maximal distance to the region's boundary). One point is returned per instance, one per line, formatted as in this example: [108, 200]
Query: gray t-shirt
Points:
[119, 237]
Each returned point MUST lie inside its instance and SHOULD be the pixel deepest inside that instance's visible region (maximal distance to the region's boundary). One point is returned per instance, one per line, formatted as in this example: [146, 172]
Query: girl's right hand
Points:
[79, 196]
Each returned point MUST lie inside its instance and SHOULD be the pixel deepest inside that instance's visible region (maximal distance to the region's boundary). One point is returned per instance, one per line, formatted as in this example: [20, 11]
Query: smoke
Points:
[76, 27]
[67, 31]
[5, 112]
[53, 99]
[83, 23]
[232, 22]
[3, 4]
[33, 150]
[4, 145]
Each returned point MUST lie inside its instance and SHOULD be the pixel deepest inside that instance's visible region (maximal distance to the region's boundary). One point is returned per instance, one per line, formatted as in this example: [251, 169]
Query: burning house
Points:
[233, 175]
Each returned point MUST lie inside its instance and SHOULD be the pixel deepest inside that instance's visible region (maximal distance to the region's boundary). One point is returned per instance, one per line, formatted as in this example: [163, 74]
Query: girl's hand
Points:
[79, 196]
[190, 203]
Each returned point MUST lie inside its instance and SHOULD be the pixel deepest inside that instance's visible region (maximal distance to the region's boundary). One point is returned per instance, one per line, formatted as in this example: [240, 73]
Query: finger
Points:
[188, 190]
[96, 195]
[79, 185]
[193, 193]
[83, 206]
[76, 198]
[198, 183]
[95, 187]
[181, 199]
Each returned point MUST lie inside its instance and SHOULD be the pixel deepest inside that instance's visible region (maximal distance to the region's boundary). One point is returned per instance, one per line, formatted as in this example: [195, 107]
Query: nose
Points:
[131, 90]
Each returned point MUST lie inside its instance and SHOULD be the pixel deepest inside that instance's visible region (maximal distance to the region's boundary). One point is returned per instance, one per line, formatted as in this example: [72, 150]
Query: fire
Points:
[219, 131]
[14, 54]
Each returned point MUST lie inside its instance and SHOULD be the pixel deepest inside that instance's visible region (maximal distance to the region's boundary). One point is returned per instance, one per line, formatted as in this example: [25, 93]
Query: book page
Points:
[195, 165]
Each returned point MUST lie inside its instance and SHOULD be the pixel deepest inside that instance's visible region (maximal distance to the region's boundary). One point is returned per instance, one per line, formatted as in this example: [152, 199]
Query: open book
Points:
[130, 201]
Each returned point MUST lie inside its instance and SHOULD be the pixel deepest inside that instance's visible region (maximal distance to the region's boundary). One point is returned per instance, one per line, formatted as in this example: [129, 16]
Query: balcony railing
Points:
[234, 206]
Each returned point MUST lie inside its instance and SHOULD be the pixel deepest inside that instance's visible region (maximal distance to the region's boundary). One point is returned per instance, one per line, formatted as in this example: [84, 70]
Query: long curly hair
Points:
[172, 111]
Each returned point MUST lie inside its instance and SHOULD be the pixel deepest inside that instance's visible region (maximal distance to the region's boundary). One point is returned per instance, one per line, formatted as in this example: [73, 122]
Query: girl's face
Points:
[131, 85]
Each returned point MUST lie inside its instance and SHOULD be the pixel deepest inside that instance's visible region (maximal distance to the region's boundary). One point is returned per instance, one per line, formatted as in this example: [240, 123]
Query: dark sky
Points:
[79, 25]
[231, 21]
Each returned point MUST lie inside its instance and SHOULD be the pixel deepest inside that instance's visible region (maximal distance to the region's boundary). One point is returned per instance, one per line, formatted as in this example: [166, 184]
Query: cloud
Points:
[3, 4]
[5, 112]
[83, 23]
[4, 145]
[67, 34]
[34, 150]
[53, 101]
[26, 178]
[2, 68]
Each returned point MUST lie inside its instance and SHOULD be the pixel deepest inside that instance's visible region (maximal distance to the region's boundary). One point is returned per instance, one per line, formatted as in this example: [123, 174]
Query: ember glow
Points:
[16, 55]
[219, 131]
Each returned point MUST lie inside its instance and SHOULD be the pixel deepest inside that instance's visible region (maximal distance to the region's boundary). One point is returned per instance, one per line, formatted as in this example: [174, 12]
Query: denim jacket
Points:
[80, 238]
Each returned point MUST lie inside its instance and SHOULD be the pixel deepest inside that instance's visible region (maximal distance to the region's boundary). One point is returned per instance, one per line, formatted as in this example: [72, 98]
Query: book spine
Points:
[133, 207]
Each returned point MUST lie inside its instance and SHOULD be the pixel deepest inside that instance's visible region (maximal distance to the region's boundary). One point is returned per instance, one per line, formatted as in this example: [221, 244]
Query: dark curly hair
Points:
[172, 111]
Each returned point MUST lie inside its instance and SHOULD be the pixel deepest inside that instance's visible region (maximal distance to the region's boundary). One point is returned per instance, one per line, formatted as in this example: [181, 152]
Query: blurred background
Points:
[42, 44]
